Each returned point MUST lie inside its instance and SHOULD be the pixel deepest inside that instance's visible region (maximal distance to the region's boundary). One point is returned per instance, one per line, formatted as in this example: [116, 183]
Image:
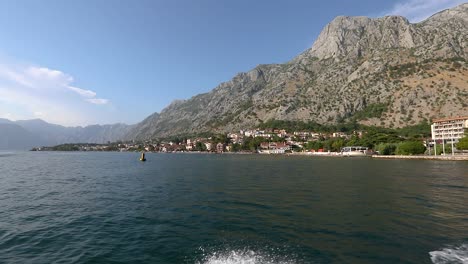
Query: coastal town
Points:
[273, 141]
[445, 135]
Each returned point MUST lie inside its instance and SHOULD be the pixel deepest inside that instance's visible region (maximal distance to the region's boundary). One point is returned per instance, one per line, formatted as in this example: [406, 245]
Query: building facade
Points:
[449, 129]
[220, 147]
[273, 148]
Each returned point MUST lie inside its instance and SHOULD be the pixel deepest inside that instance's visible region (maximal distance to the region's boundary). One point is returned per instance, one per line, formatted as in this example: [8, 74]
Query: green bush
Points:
[410, 148]
[463, 143]
[386, 148]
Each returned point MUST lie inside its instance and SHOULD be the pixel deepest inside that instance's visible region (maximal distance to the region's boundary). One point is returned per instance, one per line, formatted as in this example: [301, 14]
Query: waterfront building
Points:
[208, 146]
[189, 146]
[449, 129]
[248, 133]
[273, 148]
[220, 147]
[339, 135]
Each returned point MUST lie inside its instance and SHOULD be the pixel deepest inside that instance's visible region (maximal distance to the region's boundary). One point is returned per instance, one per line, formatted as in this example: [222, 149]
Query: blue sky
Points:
[107, 61]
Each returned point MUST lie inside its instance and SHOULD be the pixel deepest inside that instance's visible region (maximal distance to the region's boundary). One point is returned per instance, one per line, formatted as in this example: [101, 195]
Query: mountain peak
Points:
[353, 37]
[460, 12]
[358, 36]
[5, 121]
[357, 65]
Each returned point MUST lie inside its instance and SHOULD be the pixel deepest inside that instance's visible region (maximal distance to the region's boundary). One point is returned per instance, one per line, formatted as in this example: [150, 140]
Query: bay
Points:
[91, 207]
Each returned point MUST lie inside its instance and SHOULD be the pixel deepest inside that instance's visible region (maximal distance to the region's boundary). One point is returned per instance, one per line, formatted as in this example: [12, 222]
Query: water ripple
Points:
[110, 208]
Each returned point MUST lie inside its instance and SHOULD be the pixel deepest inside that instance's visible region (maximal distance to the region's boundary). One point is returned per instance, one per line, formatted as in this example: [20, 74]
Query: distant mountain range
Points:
[384, 71]
[24, 134]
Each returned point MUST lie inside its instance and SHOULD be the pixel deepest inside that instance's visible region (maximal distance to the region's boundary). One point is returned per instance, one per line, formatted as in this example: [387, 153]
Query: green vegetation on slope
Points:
[463, 143]
[418, 131]
[372, 110]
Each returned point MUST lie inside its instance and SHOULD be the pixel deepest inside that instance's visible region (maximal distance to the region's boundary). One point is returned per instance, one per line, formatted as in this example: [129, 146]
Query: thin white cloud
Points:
[8, 73]
[82, 92]
[42, 78]
[49, 74]
[29, 91]
[38, 114]
[98, 101]
[7, 116]
[418, 10]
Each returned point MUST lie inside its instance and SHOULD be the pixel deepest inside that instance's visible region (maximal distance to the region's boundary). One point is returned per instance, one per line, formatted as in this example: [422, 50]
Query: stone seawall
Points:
[447, 157]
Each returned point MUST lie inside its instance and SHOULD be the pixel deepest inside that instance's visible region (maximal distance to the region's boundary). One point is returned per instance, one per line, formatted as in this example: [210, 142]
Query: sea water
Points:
[91, 207]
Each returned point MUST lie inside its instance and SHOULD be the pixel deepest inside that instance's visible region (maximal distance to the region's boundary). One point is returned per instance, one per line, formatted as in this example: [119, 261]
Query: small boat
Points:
[142, 157]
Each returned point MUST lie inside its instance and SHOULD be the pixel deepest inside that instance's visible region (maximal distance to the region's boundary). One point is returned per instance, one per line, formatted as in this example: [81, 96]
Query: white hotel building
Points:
[449, 129]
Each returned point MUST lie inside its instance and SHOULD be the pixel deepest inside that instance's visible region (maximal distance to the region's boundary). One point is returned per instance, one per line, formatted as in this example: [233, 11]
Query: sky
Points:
[109, 61]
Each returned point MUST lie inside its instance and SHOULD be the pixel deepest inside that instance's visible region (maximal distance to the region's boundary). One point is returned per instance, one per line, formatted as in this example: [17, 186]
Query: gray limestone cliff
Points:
[409, 72]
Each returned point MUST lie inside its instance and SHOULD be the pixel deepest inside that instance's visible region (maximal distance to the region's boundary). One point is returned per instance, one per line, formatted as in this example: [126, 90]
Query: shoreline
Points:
[303, 154]
[424, 157]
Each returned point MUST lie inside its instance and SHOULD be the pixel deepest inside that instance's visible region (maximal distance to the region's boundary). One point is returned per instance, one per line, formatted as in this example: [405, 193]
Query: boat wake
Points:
[451, 254]
[243, 257]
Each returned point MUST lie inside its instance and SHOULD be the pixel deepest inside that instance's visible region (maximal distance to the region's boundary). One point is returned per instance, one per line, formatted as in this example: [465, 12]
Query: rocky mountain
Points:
[5, 121]
[384, 71]
[24, 134]
[14, 136]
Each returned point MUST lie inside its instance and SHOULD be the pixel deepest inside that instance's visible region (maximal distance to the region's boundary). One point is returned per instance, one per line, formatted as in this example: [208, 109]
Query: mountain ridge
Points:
[356, 63]
[376, 71]
[25, 134]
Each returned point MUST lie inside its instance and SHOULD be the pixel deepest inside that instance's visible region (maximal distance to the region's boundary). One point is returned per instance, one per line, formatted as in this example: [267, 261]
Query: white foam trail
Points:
[241, 257]
[450, 255]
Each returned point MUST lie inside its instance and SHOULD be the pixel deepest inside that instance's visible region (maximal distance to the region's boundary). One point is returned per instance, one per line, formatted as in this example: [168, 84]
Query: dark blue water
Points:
[189, 208]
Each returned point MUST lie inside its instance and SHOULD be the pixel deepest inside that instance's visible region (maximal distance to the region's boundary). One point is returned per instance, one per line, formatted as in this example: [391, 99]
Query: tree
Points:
[386, 148]
[221, 138]
[337, 144]
[275, 138]
[252, 143]
[463, 143]
[236, 147]
[410, 148]
[66, 147]
[199, 146]
[354, 141]
[315, 145]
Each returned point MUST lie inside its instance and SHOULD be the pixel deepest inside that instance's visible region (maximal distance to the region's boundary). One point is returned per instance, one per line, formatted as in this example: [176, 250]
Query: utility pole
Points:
[453, 151]
[443, 143]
